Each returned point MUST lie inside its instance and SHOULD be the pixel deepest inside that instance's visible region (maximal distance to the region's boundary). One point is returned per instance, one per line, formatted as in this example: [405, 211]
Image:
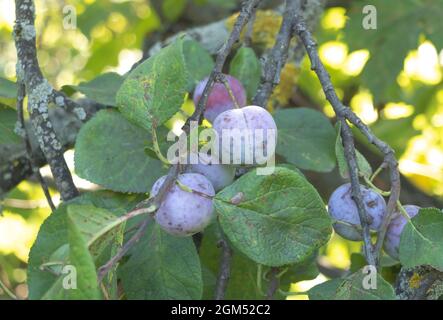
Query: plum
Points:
[343, 210]
[220, 175]
[219, 99]
[182, 212]
[395, 228]
[247, 136]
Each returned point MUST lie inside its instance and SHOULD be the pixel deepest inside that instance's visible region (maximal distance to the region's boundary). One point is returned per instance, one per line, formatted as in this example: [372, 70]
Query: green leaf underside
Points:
[352, 288]
[101, 89]
[155, 90]
[246, 67]
[8, 119]
[51, 244]
[281, 219]
[81, 259]
[305, 139]
[421, 242]
[162, 267]
[96, 225]
[108, 143]
[406, 22]
[199, 62]
[8, 92]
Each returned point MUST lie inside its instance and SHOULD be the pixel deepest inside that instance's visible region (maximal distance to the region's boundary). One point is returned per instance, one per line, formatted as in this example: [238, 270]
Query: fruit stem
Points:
[403, 211]
[187, 189]
[229, 89]
[156, 147]
[259, 279]
[7, 291]
[379, 169]
[382, 192]
[279, 275]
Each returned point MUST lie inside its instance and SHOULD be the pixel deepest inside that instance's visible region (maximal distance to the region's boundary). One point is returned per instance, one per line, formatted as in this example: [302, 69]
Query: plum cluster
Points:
[343, 210]
[187, 208]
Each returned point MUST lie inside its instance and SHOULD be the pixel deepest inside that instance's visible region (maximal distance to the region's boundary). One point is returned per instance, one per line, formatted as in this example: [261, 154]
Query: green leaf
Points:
[102, 89]
[358, 261]
[306, 270]
[398, 30]
[280, 219]
[363, 164]
[421, 242]
[155, 90]
[305, 138]
[51, 244]
[162, 266]
[352, 288]
[97, 225]
[242, 283]
[110, 151]
[325, 290]
[81, 259]
[8, 119]
[199, 62]
[246, 67]
[8, 92]
[172, 9]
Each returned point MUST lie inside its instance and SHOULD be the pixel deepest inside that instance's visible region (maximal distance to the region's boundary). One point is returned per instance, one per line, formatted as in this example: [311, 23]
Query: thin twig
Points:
[248, 8]
[225, 267]
[345, 113]
[351, 159]
[39, 95]
[247, 39]
[103, 270]
[278, 55]
[21, 91]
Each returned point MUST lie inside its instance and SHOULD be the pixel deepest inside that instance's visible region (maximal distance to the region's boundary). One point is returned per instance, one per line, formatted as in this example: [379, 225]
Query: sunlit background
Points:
[110, 36]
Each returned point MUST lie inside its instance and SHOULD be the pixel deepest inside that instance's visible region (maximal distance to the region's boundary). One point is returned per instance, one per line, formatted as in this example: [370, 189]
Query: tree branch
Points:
[39, 95]
[345, 113]
[104, 269]
[21, 91]
[225, 267]
[278, 55]
[419, 283]
[248, 8]
[15, 162]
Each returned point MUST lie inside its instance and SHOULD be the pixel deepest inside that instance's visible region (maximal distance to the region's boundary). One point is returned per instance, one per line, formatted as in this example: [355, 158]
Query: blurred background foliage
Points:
[391, 77]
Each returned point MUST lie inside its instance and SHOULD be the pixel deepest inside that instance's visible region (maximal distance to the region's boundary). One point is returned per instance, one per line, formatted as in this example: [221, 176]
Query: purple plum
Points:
[220, 175]
[184, 212]
[219, 99]
[396, 225]
[245, 135]
[343, 210]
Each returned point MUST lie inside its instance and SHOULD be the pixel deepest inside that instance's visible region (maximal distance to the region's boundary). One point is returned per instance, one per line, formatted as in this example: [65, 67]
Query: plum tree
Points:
[220, 175]
[219, 99]
[392, 240]
[247, 135]
[343, 210]
[187, 207]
